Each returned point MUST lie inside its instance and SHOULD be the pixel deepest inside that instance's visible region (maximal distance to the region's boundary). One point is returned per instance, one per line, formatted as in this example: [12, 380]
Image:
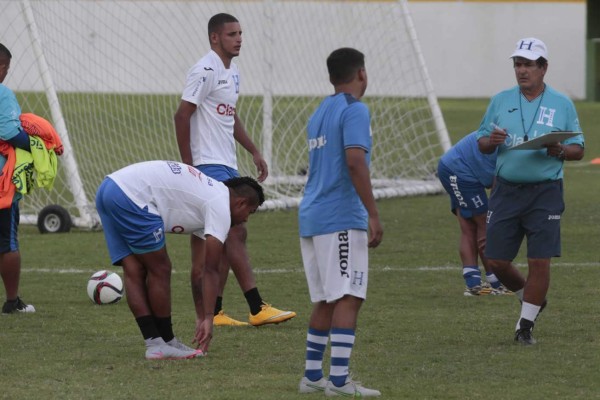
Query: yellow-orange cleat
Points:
[270, 315]
[222, 319]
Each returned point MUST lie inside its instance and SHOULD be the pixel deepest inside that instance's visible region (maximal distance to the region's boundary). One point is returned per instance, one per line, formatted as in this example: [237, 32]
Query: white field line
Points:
[289, 270]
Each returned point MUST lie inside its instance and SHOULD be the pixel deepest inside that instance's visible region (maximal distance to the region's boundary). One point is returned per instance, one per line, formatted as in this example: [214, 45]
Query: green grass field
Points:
[418, 336]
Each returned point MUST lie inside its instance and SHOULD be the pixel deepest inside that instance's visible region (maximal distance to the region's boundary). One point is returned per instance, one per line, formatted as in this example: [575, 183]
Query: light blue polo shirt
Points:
[510, 110]
[330, 203]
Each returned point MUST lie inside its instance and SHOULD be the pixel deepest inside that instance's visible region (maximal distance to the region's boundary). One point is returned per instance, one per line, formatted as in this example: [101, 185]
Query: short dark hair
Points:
[4, 52]
[342, 64]
[541, 62]
[218, 20]
[245, 186]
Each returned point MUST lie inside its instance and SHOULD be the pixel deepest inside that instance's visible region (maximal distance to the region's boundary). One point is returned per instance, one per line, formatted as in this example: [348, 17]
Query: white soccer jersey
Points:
[185, 199]
[215, 90]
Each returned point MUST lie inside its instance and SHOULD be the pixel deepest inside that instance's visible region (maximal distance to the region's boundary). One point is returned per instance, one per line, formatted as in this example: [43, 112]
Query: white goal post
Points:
[109, 74]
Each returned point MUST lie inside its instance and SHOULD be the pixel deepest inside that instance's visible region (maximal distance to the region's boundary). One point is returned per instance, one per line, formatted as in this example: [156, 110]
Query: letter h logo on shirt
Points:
[546, 114]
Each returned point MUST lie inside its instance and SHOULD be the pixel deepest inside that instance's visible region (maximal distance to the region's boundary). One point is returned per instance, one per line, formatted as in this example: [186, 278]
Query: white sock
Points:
[528, 311]
[492, 280]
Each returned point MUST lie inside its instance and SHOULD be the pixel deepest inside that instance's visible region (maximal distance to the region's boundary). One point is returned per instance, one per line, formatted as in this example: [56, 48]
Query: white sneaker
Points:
[178, 345]
[308, 386]
[157, 349]
[350, 389]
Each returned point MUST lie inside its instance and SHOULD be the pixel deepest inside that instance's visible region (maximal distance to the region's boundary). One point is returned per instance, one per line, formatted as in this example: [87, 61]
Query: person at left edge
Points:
[12, 133]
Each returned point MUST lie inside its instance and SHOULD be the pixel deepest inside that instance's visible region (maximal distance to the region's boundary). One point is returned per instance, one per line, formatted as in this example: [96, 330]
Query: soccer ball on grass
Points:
[105, 287]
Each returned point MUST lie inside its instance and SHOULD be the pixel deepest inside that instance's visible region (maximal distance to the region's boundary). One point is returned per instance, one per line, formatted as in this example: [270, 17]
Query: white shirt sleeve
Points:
[200, 82]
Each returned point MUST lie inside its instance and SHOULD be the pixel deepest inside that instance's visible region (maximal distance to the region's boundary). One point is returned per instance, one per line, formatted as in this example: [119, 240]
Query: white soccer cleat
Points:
[350, 389]
[308, 386]
[178, 345]
[157, 349]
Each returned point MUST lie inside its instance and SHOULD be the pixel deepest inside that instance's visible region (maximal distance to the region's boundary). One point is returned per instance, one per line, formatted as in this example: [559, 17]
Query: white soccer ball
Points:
[105, 287]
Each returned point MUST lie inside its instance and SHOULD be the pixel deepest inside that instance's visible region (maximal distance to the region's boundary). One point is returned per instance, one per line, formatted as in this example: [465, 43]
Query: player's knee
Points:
[499, 265]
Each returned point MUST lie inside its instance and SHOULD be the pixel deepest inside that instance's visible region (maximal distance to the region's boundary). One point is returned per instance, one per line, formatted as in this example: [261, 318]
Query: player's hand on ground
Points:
[261, 167]
[204, 334]
[375, 232]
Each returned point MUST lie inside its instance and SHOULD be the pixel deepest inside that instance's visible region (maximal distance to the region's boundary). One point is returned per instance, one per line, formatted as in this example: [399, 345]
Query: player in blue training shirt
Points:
[465, 173]
[338, 222]
[11, 133]
[527, 200]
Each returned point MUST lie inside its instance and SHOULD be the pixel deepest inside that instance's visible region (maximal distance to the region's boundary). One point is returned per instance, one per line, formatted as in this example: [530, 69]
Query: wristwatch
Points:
[561, 155]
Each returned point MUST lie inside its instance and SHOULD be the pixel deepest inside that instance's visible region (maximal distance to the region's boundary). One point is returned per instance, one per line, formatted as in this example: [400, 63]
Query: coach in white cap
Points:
[527, 200]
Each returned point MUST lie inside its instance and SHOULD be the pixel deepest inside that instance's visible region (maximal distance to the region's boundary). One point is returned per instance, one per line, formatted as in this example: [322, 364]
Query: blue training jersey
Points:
[10, 111]
[330, 202]
[519, 117]
[466, 161]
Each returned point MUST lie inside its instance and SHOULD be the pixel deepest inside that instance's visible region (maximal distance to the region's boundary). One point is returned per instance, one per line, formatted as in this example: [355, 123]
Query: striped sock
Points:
[316, 342]
[342, 341]
[492, 280]
[472, 275]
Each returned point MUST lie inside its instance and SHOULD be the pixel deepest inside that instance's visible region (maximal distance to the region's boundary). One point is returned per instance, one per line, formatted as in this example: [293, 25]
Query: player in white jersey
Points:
[137, 206]
[207, 127]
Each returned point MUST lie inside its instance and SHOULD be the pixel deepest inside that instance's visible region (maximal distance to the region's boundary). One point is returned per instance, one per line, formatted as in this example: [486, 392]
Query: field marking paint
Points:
[377, 268]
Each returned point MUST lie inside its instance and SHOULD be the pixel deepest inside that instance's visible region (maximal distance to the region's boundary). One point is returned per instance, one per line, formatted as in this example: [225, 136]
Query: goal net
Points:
[109, 75]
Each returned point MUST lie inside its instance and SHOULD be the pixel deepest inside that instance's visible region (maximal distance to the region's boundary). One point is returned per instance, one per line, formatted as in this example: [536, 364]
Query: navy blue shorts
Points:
[217, 171]
[530, 210]
[9, 223]
[468, 196]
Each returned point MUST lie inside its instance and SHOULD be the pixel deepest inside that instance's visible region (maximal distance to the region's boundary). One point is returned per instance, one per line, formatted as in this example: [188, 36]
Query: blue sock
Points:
[316, 342]
[472, 275]
[342, 341]
[492, 280]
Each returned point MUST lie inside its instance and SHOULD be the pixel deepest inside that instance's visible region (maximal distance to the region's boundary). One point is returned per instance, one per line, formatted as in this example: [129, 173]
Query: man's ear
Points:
[240, 202]
[361, 74]
[214, 36]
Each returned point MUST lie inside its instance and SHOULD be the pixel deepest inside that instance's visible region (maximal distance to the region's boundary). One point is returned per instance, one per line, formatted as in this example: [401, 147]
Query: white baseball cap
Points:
[531, 49]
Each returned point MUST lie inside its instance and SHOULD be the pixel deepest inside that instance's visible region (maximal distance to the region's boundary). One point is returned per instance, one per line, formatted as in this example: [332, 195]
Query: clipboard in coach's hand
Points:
[541, 141]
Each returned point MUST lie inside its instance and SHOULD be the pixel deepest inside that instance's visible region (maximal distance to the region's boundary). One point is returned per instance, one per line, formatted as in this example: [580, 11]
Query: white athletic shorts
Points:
[336, 264]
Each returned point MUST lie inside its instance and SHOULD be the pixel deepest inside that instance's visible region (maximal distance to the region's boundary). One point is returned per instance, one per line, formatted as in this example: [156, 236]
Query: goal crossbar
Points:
[109, 75]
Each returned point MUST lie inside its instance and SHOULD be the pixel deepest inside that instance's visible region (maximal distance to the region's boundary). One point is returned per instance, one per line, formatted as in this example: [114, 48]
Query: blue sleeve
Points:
[356, 125]
[573, 125]
[10, 125]
[21, 140]
[485, 128]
